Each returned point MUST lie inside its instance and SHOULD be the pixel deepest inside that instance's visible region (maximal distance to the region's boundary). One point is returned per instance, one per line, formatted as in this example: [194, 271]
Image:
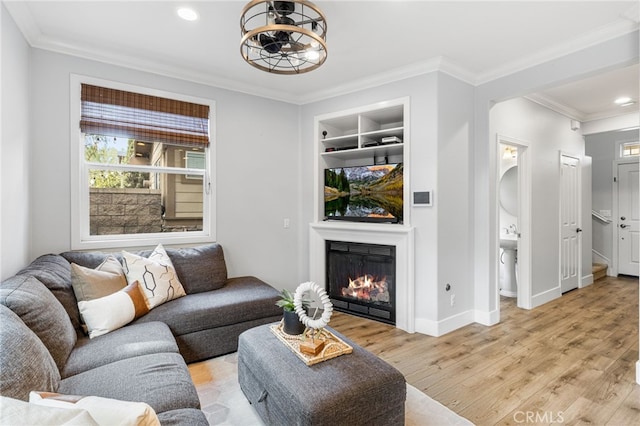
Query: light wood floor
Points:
[570, 361]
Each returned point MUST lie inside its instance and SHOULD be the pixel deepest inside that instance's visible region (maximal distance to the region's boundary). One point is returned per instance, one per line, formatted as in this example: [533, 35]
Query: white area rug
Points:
[224, 403]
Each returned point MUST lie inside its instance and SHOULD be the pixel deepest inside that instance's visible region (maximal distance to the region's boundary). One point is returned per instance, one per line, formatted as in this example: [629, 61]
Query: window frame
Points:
[80, 230]
[621, 149]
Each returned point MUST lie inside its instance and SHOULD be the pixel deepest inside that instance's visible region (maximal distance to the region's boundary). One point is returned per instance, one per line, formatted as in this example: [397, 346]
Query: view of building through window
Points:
[630, 149]
[138, 187]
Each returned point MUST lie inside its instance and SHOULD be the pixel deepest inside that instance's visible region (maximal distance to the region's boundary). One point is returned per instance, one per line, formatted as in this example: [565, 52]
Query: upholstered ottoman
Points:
[353, 389]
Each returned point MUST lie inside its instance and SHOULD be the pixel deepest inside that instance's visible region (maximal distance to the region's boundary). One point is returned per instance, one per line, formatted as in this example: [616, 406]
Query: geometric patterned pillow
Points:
[156, 275]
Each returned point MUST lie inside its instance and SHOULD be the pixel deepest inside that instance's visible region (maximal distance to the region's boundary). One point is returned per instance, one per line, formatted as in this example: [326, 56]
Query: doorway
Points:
[521, 220]
[628, 219]
[570, 231]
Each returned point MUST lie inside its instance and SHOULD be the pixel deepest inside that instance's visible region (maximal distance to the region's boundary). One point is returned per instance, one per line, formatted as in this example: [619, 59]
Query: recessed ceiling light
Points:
[187, 14]
[623, 100]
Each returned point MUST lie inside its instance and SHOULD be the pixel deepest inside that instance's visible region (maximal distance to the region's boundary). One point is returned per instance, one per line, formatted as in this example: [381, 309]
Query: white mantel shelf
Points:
[400, 236]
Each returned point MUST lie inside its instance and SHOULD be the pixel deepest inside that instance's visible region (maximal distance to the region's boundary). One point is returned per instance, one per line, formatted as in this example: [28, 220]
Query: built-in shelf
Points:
[360, 137]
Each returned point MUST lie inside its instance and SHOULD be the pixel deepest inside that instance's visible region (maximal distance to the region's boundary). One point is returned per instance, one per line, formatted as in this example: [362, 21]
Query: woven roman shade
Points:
[145, 118]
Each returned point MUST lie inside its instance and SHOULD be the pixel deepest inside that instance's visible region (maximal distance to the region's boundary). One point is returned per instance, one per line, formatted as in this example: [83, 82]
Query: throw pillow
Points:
[113, 311]
[105, 279]
[17, 412]
[156, 275]
[105, 411]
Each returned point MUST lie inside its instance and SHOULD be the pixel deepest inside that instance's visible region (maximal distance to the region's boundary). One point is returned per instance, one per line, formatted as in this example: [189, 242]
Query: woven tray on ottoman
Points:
[352, 389]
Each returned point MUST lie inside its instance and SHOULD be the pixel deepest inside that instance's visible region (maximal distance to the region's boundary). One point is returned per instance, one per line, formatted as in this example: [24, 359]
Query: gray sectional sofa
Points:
[45, 349]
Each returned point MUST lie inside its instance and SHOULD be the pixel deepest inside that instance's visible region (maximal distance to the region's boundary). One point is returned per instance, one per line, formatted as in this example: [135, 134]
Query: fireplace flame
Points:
[368, 289]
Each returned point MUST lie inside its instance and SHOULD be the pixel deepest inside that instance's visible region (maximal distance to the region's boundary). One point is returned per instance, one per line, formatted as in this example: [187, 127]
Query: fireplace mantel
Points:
[399, 236]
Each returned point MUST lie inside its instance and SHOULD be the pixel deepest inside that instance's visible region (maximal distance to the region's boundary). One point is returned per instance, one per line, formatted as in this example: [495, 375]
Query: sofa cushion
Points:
[200, 268]
[241, 299]
[42, 313]
[156, 275]
[25, 363]
[54, 272]
[184, 416]
[131, 341]
[161, 380]
[116, 310]
[94, 283]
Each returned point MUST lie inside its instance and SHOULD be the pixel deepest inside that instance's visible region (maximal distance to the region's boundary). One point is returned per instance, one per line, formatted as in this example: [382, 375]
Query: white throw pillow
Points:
[105, 411]
[18, 412]
[113, 311]
[157, 276]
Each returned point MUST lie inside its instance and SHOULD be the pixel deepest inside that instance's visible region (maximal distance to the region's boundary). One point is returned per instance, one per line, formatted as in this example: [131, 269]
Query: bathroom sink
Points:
[508, 242]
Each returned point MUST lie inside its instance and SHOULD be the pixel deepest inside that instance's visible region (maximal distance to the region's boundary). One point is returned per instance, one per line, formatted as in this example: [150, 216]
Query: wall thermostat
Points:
[422, 198]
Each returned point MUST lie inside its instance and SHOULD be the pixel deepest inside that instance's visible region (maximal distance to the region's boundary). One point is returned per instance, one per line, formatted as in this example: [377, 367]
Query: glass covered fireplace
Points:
[361, 279]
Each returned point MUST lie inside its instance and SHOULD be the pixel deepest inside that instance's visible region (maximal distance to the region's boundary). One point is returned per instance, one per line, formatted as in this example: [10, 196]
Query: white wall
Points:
[15, 149]
[602, 148]
[548, 133]
[256, 166]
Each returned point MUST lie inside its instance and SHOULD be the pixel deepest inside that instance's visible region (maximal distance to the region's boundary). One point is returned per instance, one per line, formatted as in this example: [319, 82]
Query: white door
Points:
[569, 226]
[629, 216]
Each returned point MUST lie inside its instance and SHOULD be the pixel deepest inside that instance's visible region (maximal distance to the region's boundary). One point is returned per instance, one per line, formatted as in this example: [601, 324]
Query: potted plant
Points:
[291, 321]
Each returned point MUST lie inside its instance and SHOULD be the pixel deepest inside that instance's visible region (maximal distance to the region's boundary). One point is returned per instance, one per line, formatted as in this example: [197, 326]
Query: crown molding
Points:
[21, 14]
[552, 104]
[598, 36]
[419, 68]
[19, 11]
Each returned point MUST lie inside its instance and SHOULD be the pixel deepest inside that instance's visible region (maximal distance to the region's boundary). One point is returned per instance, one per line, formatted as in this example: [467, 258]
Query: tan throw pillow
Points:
[156, 275]
[113, 311]
[104, 411]
[105, 279]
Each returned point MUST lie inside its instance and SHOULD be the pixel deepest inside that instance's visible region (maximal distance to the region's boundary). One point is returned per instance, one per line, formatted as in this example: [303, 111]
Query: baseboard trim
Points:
[487, 318]
[586, 280]
[447, 325]
[546, 296]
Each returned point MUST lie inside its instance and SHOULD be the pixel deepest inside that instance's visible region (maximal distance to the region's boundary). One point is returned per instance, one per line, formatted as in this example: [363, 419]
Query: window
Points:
[143, 166]
[629, 149]
[194, 160]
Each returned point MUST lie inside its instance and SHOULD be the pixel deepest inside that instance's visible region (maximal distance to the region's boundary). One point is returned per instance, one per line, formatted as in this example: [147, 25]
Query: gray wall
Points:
[602, 148]
[256, 166]
[613, 53]
[15, 149]
[441, 121]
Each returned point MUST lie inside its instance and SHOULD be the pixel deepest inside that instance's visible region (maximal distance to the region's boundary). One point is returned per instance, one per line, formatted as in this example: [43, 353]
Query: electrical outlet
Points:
[286, 223]
[453, 300]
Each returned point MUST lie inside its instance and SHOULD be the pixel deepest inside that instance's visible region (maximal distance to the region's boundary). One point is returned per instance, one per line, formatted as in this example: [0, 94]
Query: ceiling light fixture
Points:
[624, 101]
[283, 37]
[187, 14]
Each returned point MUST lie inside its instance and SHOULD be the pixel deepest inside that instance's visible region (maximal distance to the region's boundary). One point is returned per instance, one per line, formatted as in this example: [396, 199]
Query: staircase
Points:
[599, 270]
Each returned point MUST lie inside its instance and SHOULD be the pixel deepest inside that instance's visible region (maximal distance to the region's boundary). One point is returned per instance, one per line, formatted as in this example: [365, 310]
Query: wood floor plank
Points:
[573, 357]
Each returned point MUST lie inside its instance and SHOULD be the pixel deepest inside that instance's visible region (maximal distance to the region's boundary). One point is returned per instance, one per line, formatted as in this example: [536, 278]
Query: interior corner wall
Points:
[548, 133]
[422, 91]
[14, 149]
[256, 173]
[453, 202]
